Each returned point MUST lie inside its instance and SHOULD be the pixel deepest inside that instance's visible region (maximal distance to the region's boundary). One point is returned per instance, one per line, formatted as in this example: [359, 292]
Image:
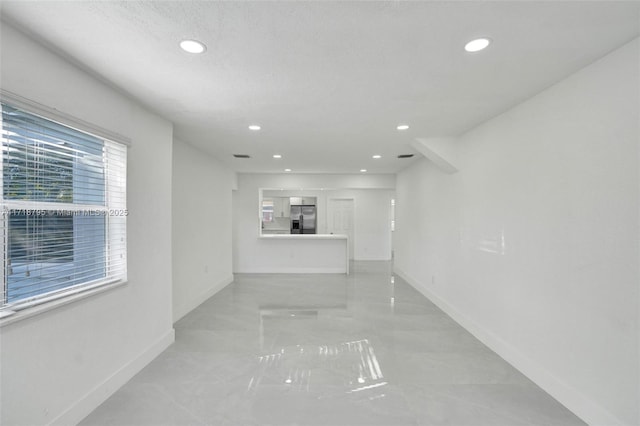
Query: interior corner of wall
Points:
[234, 181]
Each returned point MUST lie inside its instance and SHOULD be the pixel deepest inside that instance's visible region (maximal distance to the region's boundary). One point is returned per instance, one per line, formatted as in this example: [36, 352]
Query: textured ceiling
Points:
[327, 81]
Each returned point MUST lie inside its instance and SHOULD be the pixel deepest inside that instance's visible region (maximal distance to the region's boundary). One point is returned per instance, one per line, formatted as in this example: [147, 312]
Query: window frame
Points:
[27, 307]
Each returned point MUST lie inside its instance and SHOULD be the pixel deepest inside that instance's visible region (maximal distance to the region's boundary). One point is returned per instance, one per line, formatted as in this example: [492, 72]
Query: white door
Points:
[340, 219]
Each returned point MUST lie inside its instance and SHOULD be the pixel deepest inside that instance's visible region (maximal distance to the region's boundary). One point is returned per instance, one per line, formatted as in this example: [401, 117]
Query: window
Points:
[63, 210]
[267, 211]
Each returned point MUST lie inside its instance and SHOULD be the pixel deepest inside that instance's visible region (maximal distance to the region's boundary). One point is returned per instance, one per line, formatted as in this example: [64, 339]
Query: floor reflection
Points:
[346, 366]
[351, 365]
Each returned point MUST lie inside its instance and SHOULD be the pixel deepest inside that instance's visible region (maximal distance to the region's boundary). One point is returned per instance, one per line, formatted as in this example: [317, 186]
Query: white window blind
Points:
[63, 210]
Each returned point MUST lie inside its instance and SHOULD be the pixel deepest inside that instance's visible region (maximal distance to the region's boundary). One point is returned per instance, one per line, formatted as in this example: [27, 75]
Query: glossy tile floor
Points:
[363, 349]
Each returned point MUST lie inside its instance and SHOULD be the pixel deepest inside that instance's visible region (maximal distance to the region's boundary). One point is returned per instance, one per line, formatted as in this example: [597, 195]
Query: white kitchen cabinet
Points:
[277, 206]
[302, 201]
[281, 206]
[286, 207]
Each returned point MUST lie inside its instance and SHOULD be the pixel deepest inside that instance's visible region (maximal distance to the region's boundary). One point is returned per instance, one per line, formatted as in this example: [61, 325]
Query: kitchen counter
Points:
[279, 225]
[305, 236]
[303, 253]
[272, 231]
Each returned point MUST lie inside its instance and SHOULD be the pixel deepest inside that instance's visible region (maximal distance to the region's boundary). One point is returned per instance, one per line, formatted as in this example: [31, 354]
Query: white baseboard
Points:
[85, 405]
[579, 404]
[372, 259]
[183, 310]
[291, 270]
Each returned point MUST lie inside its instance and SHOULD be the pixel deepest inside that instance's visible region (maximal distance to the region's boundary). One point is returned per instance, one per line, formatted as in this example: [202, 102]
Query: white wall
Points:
[533, 244]
[372, 221]
[201, 227]
[372, 196]
[58, 366]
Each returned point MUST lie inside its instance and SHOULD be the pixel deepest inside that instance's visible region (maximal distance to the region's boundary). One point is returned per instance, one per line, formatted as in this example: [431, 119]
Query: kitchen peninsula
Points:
[310, 253]
[289, 228]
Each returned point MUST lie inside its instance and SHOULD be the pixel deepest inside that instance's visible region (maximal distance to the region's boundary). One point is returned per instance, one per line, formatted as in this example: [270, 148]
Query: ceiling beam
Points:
[440, 151]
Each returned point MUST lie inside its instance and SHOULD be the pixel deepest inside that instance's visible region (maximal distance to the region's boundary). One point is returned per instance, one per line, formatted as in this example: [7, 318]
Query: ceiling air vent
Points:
[405, 155]
[241, 156]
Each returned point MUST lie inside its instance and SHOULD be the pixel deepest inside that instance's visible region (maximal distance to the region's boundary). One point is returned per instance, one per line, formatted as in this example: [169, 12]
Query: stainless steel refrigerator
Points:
[303, 219]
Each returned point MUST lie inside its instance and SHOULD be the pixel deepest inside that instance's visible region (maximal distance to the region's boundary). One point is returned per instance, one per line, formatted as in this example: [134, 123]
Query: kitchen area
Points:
[282, 215]
[309, 223]
[293, 226]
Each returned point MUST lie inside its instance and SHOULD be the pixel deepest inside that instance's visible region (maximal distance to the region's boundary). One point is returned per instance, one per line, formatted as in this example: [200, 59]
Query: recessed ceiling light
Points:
[192, 46]
[477, 45]
[377, 156]
[277, 156]
[402, 127]
[363, 170]
[287, 170]
[254, 127]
